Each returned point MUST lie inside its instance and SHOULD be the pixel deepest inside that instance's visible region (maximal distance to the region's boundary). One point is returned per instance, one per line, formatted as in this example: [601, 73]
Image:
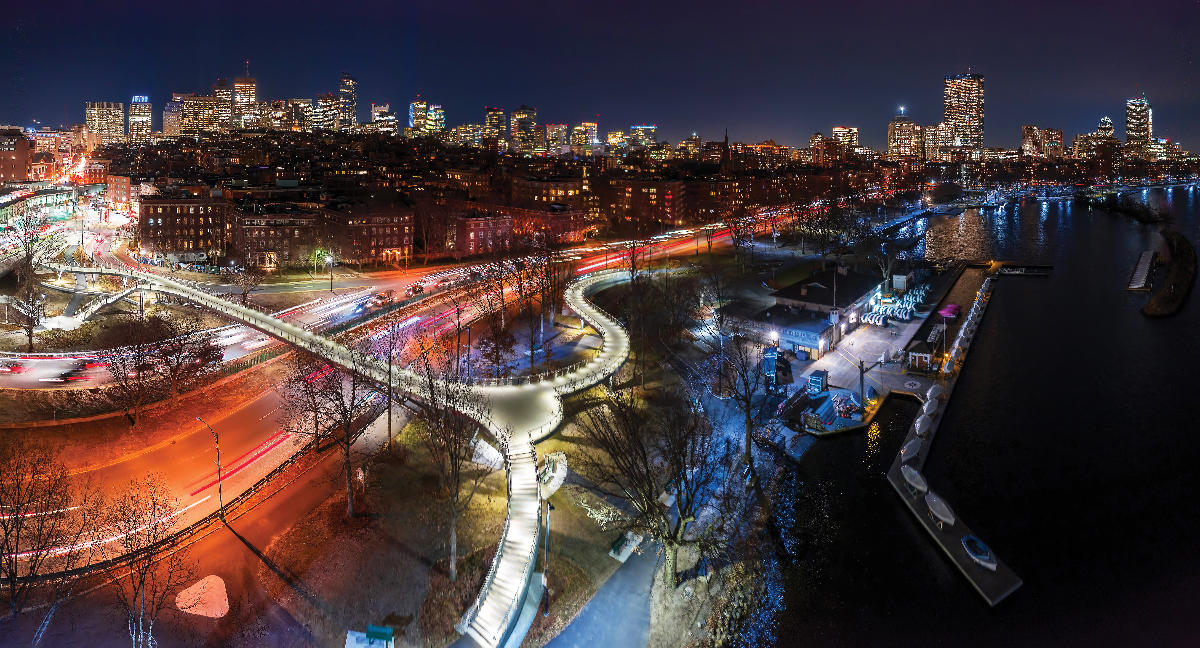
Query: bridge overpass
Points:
[517, 414]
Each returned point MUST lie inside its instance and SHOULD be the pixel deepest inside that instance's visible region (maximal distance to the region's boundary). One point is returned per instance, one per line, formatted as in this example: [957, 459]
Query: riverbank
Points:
[1181, 275]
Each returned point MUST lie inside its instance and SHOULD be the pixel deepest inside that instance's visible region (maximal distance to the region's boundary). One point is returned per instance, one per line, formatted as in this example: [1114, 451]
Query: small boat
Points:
[910, 450]
[914, 479]
[939, 510]
[979, 552]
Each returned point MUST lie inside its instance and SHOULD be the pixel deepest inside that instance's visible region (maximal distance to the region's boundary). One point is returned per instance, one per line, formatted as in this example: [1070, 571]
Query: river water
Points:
[1070, 446]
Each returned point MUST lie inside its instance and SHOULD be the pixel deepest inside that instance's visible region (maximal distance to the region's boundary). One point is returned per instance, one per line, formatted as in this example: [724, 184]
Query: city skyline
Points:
[838, 87]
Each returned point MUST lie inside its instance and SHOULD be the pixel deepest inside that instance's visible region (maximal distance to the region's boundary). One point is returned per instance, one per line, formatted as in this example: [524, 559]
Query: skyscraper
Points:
[173, 116]
[523, 129]
[348, 102]
[1139, 125]
[140, 118]
[963, 108]
[556, 138]
[301, 114]
[593, 132]
[107, 120]
[327, 111]
[435, 120]
[383, 120]
[200, 115]
[223, 92]
[643, 135]
[494, 118]
[904, 138]
[846, 136]
[418, 112]
[245, 103]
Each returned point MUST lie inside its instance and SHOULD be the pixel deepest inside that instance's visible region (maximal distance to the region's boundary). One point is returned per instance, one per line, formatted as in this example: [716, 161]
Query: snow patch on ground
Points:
[207, 598]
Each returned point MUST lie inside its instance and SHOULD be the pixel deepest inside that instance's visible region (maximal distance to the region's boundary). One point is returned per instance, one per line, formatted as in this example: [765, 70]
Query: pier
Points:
[1140, 279]
[993, 586]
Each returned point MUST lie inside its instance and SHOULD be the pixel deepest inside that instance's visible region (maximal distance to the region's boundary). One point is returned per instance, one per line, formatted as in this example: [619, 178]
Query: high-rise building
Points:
[418, 112]
[904, 138]
[140, 118]
[435, 121]
[383, 120]
[523, 129]
[201, 115]
[939, 139]
[556, 138]
[1041, 142]
[223, 92]
[327, 111]
[244, 103]
[107, 120]
[16, 154]
[593, 132]
[846, 136]
[301, 114]
[348, 103]
[1106, 128]
[963, 108]
[643, 135]
[1139, 126]
[173, 116]
[579, 136]
[616, 139]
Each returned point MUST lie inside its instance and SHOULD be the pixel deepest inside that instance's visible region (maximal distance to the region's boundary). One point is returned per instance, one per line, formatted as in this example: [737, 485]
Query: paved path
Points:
[618, 616]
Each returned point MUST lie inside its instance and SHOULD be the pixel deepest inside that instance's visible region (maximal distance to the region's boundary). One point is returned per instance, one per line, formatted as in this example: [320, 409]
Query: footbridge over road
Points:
[517, 415]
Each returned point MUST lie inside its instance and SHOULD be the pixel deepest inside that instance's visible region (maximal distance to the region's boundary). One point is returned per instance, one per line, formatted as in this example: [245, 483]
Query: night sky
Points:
[760, 69]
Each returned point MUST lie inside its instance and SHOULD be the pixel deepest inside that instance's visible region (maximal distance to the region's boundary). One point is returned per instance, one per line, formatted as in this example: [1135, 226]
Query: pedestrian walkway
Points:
[618, 616]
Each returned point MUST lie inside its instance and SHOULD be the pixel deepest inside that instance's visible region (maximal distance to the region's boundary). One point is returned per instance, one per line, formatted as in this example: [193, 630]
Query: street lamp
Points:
[217, 445]
[329, 262]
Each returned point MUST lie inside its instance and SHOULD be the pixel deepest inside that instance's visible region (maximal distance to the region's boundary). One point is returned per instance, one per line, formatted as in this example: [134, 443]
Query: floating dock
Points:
[993, 586]
[1140, 279]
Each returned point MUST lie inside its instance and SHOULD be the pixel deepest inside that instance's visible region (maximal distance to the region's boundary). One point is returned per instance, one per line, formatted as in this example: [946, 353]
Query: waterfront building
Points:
[245, 103]
[107, 120]
[1139, 126]
[348, 103]
[847, 136]
[904, 139]
[963, 108]
[140, 117]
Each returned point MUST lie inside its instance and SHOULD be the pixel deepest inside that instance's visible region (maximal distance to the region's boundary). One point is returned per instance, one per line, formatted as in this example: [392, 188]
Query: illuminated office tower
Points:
[1106, 128]
[201, 115]
[326, 112]
[523, 129]
[173, 116]
[301, 114]
[435, 120]
[644, 135]
[418, 112]
[963, 108]
[223, 92]
[348, 103]
[1041, 142]
[494, 121]
[107, 120]
[593, 132]
[615, 139]
[383, 119]
[846, 136]
[904, 138]
[579, 136]
[140, 118]
[939, 139]
[1139, 125]
[556, 138]
[245, 103]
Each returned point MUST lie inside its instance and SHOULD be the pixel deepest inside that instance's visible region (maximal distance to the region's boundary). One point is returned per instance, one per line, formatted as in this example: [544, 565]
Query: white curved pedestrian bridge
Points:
[517, 415]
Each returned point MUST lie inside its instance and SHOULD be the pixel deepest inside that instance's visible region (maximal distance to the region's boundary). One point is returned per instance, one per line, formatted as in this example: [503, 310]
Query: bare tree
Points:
[640, 455]
[29, 301]
[488, 295]
[143, 519]
[248, 281]
[188, 354]
[741, 364]
[133, 362]
[449, 436]
[343, 393]
[303, 405]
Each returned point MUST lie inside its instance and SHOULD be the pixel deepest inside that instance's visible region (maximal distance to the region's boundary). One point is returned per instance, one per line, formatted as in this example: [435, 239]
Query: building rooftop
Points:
[819, 288]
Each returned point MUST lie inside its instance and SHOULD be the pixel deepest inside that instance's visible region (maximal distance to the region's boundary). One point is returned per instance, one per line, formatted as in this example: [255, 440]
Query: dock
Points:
[1140, 279]
[993, 586]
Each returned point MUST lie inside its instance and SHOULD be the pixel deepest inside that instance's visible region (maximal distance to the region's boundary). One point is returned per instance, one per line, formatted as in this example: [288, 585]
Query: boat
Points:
[910, 450]
[979, 552]
[939, 510]
[914, 479]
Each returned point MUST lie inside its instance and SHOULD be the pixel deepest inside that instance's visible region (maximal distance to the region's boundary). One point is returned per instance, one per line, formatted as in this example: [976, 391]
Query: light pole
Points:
[217, 445]
[329, 262]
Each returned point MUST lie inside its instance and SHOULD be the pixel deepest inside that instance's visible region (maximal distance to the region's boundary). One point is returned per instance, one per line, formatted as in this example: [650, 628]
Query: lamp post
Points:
[217, 445]
[329, 262]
